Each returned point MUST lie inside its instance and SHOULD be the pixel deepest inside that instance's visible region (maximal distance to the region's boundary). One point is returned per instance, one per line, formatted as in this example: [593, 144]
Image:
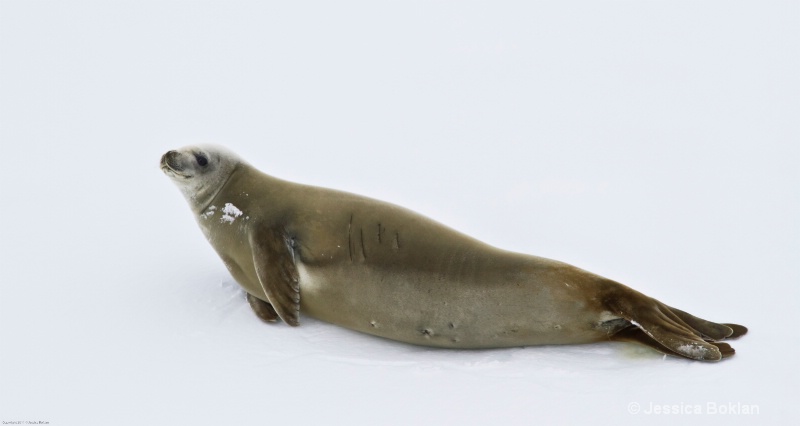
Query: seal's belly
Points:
[434, 310]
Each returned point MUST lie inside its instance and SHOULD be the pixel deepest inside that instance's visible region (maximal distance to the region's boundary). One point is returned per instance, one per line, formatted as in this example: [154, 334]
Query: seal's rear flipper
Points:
[677, 337]
[725, 349]
[637, 335]
[738, 330]
[277, 273]
[707, 329]
[669, 329]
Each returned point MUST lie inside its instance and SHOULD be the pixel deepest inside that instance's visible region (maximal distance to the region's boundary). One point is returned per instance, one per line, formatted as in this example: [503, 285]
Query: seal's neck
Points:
[200, 197]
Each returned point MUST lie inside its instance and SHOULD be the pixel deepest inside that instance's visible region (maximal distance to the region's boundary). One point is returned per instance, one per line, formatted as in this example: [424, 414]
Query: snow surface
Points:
[655, 143]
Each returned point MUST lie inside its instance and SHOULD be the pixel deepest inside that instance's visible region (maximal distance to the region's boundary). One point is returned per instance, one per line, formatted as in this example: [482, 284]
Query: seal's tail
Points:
[676, 332]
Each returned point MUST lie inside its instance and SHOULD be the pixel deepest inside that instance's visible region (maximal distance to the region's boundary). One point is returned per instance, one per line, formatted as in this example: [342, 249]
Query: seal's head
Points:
[199, 171]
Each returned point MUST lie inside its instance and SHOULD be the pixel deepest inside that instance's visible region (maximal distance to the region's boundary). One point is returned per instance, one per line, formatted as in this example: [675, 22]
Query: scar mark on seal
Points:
[396, 243]
[379, 232]
[363, 249]
[350, 237]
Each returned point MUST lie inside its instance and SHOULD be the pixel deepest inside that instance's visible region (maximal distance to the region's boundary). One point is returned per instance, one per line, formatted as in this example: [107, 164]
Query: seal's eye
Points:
[201, 159]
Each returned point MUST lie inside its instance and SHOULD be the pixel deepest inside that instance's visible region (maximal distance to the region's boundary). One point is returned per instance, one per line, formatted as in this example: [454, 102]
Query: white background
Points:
[655, 143]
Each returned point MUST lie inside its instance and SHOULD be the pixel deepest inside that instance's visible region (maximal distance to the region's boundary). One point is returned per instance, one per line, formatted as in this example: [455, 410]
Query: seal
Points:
[381, 269]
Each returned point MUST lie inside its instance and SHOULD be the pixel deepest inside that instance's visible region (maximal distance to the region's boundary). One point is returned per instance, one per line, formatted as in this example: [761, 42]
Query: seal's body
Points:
[384, 270]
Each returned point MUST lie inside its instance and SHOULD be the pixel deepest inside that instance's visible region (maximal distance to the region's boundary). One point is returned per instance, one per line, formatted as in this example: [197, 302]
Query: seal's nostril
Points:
[170, 159]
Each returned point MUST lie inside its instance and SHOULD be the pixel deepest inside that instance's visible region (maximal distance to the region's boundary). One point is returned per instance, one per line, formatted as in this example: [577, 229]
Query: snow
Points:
[230, 213]
[210, 212]
[654, 143]
[693, 349]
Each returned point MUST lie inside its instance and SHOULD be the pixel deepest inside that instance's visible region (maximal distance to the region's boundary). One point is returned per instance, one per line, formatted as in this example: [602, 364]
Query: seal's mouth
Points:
[171, 167]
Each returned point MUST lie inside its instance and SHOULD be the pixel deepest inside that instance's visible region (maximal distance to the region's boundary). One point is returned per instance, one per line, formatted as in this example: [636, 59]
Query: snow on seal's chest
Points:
[230, 213]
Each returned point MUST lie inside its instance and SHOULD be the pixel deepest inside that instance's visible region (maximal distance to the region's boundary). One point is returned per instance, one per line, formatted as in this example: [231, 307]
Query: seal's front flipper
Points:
[277, 273]
[263, 310]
